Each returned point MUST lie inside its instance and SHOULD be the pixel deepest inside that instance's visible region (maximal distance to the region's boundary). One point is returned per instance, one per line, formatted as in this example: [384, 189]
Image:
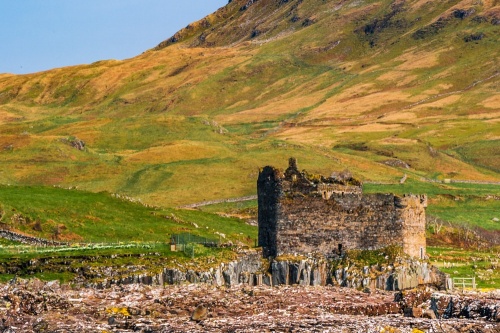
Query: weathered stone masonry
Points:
[302, 213]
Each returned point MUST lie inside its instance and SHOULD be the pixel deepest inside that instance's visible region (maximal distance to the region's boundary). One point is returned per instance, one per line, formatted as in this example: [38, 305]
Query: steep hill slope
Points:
[374, 86]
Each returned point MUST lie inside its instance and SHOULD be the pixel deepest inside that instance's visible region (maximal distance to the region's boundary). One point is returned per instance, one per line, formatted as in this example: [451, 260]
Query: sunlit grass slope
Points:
[74, 216]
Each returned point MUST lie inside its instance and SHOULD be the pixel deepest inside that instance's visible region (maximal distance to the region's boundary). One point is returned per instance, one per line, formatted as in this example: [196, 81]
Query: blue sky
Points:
[37, 35]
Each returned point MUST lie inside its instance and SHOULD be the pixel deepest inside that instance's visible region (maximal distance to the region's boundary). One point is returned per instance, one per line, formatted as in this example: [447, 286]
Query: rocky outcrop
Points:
[468, 306]
[397, 163]
[74, 142]
[304, 272]
[423, 303]
[251, 270]
[246, 270]
[406, 274]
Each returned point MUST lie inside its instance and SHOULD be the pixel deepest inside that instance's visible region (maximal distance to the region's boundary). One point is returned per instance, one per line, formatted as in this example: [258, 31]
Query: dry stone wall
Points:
[15, 237]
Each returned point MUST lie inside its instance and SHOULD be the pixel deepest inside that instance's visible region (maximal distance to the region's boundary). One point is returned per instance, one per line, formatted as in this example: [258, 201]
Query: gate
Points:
[464, 283]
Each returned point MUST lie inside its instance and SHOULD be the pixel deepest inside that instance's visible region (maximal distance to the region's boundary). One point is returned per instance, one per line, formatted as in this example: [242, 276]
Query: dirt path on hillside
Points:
[214, 202]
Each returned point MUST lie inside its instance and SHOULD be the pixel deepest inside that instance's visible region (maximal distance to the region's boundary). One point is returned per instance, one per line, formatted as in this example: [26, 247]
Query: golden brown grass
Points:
[353, 105]
[492, 102]
[438, 103]
[175, 151]
[414, 59]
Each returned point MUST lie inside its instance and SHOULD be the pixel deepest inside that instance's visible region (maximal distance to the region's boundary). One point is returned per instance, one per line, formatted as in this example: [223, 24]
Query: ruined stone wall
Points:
[312, 224]
[295, 216]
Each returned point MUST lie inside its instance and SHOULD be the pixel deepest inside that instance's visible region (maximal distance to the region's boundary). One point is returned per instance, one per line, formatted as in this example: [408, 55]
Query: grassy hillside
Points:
[78, 216]
[364, 85]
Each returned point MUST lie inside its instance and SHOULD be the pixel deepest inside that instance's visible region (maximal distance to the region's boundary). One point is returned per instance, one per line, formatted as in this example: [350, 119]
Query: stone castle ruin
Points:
[301, 213]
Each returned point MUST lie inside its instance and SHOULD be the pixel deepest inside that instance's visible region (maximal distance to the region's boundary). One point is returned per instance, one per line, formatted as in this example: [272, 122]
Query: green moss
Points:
[290, 258]
[371, 257]
[64, 277]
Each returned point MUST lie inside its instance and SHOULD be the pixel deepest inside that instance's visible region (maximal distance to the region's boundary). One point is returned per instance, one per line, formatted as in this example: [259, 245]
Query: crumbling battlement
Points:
[304, 213]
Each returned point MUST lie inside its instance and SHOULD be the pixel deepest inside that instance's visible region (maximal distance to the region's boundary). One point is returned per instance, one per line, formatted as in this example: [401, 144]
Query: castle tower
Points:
[310, 214]
[269, 192]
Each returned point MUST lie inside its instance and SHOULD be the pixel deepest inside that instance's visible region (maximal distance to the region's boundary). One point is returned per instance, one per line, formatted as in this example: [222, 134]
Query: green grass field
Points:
[107, 231]
[484, 265]
[470, 204]
[81, 216]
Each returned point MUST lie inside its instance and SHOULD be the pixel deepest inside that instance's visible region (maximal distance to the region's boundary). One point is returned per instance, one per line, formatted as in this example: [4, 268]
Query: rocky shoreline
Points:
[248, 269]
[35, 306]
[252, 270]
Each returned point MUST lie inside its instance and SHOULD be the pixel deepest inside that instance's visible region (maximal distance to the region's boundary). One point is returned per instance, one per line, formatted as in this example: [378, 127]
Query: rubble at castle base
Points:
[33, 306]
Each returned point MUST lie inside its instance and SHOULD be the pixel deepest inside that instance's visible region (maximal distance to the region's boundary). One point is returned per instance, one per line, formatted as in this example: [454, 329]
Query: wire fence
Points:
[187, 242]
[186, 238]
[75, 247]
[184, 242]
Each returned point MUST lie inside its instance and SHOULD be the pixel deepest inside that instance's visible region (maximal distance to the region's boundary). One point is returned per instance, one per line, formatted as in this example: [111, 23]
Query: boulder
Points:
[200, 313]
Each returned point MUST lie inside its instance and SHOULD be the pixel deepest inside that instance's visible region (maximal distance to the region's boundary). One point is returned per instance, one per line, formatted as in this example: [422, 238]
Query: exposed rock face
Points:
[317, 272]
[74, 142]
[301, 213]
[32, 306]
[397, 163]
[465, 306]
[241, 271]
[250, 271]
